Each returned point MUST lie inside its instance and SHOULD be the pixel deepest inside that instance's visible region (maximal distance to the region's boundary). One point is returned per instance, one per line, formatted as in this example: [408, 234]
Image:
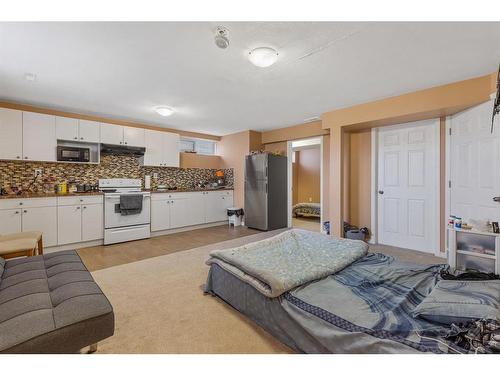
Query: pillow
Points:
[453, 301]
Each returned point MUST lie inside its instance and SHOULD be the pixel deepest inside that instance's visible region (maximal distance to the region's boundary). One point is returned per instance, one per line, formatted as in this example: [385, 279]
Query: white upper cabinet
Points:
[72, 129]
[11, 134]
[122, 135]
[133, 136]
[171, 149]
[66, 128]
[162, 149]
[89, 131]
[154, 149]
[39, 137]
[111, 134]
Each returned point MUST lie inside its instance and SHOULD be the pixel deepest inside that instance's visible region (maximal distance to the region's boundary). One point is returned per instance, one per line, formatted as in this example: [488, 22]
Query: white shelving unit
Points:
[471, 249]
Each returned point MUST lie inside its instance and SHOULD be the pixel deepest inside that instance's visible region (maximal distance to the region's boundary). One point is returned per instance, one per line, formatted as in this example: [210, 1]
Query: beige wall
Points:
[307, 130]
[435, 102]
[188, 160]
[360, 179]
[233, 149]
[308, 175]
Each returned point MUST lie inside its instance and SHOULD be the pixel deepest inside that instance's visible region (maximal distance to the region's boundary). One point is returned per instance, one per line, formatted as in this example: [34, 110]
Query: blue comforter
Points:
[374, 298]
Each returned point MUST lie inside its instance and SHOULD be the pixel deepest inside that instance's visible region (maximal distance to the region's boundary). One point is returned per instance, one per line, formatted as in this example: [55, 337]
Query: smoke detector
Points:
[221, 38]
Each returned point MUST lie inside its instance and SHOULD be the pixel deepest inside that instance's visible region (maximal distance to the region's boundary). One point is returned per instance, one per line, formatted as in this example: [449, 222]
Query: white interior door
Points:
[474, 163]
[408, 186]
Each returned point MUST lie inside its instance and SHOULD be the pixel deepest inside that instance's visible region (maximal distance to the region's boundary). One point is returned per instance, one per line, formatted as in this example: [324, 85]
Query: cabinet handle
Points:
[25, 211]
[75, 138]
[120, 142]
[18, 157]
[125, 142]
[16, 212]
[84, 207]
[26, 157]
[20, 203]
[78, 208]
[81, 138]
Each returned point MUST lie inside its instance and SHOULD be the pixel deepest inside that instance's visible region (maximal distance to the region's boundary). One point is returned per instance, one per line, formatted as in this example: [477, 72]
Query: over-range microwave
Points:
[68, 153]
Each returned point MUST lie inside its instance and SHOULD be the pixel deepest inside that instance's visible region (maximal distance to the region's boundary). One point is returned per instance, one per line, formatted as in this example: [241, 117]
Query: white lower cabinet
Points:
[177, 210]
[11, 221]
[92, 222]
[43, 219]
[69, 224]
[160, 212]
[79, 219]
[217, 203]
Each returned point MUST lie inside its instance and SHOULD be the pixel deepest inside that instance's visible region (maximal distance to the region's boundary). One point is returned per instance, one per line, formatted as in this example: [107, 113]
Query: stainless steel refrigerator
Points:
[266, 191]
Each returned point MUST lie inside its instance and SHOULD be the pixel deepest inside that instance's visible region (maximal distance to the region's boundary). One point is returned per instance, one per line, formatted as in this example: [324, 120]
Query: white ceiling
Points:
[124, 70]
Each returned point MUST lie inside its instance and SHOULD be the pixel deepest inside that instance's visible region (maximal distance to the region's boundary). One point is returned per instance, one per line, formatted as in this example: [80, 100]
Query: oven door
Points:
[114, 219]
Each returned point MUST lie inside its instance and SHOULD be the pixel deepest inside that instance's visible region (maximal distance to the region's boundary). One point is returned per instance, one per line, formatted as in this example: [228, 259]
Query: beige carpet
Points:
[160, 308]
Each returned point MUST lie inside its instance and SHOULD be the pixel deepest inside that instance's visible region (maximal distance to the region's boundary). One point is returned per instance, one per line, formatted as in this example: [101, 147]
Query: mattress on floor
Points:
[365, 308]
[307, 210]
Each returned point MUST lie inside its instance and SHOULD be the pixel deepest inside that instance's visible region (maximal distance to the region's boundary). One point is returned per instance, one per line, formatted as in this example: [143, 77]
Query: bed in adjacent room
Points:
[318, 294]
[307, 210]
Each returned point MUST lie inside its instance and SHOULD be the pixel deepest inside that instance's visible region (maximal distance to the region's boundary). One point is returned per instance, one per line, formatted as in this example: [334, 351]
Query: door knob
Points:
[381, 192]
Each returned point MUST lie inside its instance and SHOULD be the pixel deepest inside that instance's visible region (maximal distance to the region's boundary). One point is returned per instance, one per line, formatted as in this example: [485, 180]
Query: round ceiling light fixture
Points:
[164, 111]
[263, 56]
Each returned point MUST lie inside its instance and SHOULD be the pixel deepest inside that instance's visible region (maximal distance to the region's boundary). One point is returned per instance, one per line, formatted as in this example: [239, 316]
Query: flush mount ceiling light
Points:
[29, 76]
[263, 56]
[164, 111]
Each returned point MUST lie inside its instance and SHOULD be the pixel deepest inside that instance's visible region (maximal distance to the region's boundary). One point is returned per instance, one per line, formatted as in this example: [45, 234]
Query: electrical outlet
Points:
[310, 199]
[155, 176]
[38, 172]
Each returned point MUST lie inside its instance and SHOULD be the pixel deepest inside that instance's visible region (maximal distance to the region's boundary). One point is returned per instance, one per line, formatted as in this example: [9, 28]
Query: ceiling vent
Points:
[221, 37]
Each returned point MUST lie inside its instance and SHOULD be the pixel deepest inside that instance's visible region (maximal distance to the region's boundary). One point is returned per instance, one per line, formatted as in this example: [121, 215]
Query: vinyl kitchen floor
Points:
[100, 257]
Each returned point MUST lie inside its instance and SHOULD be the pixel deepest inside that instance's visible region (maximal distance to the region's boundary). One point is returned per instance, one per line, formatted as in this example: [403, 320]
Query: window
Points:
[200, 146]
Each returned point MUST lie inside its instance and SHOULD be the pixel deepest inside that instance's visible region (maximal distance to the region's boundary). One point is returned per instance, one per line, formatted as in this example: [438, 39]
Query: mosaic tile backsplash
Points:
[20, 174]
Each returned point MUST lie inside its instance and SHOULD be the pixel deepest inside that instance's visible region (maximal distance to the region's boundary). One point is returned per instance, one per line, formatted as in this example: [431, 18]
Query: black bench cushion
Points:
[44, 298]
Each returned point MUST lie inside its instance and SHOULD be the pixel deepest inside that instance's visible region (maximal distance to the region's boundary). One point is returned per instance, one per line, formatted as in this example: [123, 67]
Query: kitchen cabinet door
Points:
[133, 136]
[69, 224]
[111, 134]
[43, 219]
[89, 131]
[66, 128]
[196, 209]
[39, 137]
[92, 222]
[11, 221]
[179, 213]
[160, 214]
[216, 206]
[154, 148]
[170, 150]
[11, 134]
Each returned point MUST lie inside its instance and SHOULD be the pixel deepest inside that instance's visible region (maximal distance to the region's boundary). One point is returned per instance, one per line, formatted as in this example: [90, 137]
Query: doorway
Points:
[305, 159]
[407, 186]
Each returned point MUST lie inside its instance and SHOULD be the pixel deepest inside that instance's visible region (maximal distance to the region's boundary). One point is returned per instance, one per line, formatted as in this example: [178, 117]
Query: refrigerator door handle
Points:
[266, 187]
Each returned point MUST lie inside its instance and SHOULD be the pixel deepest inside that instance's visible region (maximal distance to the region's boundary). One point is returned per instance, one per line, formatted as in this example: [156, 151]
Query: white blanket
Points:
[289, 259]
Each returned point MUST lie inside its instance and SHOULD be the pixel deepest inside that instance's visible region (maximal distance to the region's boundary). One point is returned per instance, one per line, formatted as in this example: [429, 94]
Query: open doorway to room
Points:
[306, 183]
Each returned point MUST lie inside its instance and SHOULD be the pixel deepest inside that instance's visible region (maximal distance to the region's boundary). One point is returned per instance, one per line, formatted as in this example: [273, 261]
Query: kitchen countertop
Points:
[47, 195]
[28, 195]
[188, 190]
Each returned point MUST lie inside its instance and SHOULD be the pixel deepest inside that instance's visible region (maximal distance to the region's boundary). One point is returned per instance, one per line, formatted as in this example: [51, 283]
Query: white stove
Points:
[121, 225]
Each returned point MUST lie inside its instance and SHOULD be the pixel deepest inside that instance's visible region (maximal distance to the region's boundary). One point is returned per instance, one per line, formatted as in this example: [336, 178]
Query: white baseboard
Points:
[72, 246]
[185, 229]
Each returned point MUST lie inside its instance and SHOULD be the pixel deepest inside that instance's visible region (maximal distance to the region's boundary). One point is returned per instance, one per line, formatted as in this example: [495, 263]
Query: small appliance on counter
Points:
[76, 154]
